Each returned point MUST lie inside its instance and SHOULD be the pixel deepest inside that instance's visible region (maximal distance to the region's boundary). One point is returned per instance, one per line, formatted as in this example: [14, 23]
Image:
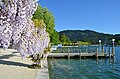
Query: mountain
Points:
[89, 36]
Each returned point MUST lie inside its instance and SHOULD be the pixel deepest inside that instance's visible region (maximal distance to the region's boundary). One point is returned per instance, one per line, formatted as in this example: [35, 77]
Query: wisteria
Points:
[16, 26]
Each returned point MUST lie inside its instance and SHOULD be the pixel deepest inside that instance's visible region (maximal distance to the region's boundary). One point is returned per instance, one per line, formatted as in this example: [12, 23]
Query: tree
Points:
[44, 16]
[119, 42]
[39, 23]
[38, 13]
[83, 43]
[49, 20]
[55, 38]
[64, 39]
[88, 36]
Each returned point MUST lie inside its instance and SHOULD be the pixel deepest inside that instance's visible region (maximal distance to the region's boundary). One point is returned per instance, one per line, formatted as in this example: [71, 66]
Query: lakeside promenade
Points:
[12, 66]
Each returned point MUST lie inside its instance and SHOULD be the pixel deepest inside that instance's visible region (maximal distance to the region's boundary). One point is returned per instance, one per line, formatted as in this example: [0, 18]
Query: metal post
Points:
[112, 51]
[100, 45]
[97, 53]
[109, 52]
[68, 54]
[80, 54]
[103, 51]
[113, 40]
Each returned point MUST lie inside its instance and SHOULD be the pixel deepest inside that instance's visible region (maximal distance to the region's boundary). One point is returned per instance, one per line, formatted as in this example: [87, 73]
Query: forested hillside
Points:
[89, 36]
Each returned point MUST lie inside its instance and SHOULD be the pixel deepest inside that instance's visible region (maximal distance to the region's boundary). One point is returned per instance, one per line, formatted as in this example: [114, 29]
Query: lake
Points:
[85, 69]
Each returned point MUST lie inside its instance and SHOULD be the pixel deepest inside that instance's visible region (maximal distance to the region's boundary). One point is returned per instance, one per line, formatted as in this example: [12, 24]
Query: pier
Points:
[78, 55]
[82, 55]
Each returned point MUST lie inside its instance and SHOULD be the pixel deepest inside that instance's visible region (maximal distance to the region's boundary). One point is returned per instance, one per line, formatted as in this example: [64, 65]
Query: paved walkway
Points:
[43, 73]
[13, 67]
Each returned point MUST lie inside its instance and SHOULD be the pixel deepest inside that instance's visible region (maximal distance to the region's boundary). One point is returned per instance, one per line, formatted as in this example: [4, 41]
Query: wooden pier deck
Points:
[80, 55]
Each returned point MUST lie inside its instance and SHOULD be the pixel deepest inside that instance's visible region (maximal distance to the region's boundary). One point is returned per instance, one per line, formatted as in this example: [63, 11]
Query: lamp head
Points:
[113, 39]
[100, 41]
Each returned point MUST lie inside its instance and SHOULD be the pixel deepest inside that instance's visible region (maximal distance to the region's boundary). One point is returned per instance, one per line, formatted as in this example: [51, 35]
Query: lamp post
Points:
[100, 45]
[113, 40]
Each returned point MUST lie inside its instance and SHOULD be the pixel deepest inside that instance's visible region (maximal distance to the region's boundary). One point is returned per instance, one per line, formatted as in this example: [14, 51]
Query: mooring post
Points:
[97, 53]
[112, 51]
[103, 53]
[80, 54]
[68, 54]
[113, 60]
[109, 52]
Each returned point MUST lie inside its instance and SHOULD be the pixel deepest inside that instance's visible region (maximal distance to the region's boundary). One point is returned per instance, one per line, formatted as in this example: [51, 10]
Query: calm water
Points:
[85, 69]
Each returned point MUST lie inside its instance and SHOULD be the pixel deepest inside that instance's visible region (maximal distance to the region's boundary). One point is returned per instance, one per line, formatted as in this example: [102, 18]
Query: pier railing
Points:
[75, 50]
[86, 51]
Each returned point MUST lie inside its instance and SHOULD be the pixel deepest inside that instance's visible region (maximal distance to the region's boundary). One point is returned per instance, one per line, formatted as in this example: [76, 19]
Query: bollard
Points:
[68, 54]
[97, 53]
[103, 53]
[112, 51]
[109, 52]
[80, 54]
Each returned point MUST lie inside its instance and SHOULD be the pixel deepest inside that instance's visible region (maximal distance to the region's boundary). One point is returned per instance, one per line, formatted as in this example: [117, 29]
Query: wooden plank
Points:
[62, 55]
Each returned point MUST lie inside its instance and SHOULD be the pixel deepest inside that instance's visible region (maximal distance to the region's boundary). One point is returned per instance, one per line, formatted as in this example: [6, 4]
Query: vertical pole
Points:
[103, 53]
[112, 51]
[113, 60]
[113, 40]
[97, 53]
[68, 54]
[109, 52]
[100, 46]
[80, 54]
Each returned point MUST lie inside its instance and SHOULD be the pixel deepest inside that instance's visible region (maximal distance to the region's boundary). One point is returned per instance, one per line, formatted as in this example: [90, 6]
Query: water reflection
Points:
[86, 68]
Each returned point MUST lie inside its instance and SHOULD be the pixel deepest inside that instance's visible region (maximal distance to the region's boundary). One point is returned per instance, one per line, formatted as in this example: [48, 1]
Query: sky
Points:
[98, 15]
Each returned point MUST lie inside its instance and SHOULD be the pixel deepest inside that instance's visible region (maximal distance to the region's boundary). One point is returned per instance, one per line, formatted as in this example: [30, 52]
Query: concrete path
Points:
[43, 73]
[12, 66]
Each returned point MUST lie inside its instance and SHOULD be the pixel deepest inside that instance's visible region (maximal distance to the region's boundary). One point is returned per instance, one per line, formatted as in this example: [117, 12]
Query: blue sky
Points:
[98, 15]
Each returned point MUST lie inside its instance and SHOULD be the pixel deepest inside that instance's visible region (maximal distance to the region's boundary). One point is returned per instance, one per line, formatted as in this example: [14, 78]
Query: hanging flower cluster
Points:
[16, 26]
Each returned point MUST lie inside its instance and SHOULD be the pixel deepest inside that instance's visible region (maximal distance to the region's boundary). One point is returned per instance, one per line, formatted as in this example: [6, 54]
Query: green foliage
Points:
[87, 36]
[39, 23]
[117, 38]
[43, 17]
[36, 60]
[49, 21]
[55, 37]
[43, 14]
[118, 42]
[39, 13]
[3, 0]
[83, 43]
[64, 39]
[48, 49]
